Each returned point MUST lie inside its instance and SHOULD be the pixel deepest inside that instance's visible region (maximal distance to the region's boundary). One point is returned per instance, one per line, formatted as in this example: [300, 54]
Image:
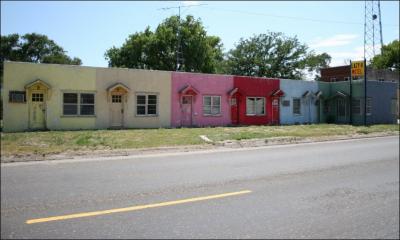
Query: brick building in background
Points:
[342, 73]
[335, 74]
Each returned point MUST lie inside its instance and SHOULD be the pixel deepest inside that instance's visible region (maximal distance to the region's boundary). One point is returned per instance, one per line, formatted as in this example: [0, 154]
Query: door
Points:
[186, 119]
[235, 110]
[275, 111]
[341, 110]
[37, 111]
[117, 111]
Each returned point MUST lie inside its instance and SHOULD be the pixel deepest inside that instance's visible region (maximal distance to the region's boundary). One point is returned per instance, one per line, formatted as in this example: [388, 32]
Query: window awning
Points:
[37, 82]
[340, 94]
[306, 94]
[119, 87]
[318, 94]
[188, 90]
[278, 93]
[233, 92]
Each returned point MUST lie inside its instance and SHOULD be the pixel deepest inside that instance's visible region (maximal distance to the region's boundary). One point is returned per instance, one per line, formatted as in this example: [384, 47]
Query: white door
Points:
[37, 111]
[117, 111]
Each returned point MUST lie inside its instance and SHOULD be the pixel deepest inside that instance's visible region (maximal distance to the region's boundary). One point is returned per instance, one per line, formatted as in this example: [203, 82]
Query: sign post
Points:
[351, 94]
[358, 69]
[365, 93]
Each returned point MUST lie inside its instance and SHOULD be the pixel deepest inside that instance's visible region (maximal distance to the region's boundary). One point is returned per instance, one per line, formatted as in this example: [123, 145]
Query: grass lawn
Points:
[59, 141]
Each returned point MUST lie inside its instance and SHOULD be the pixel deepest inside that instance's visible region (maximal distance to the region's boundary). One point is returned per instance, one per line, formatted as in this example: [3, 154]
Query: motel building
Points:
[68, 97]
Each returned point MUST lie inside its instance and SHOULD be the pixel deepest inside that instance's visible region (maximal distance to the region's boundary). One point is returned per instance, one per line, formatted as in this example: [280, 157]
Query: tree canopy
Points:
[157, 50]
[389, 58]
[273, 55]
[33, 47]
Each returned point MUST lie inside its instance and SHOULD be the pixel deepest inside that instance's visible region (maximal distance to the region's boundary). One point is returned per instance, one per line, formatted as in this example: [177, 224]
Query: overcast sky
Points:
[87, 29]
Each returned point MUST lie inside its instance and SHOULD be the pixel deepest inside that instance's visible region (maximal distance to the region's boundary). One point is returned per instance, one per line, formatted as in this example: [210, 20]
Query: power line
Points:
[291, 17]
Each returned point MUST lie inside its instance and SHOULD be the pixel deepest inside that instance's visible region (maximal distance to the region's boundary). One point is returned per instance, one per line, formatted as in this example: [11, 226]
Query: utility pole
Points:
[365, 92]
[179, 51]
[372, 23]
[372, 28]
[351, 96]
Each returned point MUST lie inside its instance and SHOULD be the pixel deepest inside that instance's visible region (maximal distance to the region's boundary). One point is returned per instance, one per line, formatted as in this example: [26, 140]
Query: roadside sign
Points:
[357, 68]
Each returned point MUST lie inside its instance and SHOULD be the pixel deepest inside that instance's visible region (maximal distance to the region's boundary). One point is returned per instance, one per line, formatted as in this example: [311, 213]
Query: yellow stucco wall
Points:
[138, 81]
[66, 78]
[60, 78]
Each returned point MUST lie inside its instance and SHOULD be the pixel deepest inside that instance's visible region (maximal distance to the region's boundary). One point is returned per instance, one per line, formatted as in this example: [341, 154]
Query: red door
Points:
[275, 111]
[235, 110]
[186, 119]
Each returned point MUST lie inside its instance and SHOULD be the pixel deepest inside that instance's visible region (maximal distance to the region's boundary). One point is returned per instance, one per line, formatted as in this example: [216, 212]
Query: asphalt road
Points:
[341, 189]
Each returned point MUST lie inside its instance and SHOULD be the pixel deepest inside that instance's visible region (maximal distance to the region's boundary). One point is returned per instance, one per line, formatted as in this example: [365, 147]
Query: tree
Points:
[157, 50]
[389, 58]
[32, 47]
[273, 55]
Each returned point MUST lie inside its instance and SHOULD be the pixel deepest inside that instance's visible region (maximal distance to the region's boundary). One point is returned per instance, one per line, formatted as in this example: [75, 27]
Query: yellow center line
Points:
[134, 208]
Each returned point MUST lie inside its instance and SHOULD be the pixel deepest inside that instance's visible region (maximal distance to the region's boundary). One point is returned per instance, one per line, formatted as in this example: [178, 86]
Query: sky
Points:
[87, 29]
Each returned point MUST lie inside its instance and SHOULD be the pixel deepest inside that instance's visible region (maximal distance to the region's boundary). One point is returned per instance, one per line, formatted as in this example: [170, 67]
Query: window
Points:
[296, 106]
[255, 106]
[394, 108]
[17, 96]
[87, 104]
[211, 105]
[37, 97]
[78, 104]
[356, 106]
[70, 104]
[286, 103]
[346, 78]
[381, 79]
[146, 104]
[116, 98]
[186, 99]
[369, 106]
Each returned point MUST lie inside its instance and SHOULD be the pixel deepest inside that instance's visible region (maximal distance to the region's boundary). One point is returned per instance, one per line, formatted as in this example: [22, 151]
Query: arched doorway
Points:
[117, 97]
[275, 99]
[38, 92]
[187, 96]
[234, 99]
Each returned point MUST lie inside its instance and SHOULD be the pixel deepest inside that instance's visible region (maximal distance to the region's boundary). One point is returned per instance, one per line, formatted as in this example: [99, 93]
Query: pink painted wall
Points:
[206, 84]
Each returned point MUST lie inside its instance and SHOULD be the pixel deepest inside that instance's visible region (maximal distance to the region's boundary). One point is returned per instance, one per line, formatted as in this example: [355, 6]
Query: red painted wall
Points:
[256, 87]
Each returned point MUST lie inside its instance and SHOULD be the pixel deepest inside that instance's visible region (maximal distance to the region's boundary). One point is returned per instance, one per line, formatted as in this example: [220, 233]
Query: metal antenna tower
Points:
[373, 41]
[179, 51]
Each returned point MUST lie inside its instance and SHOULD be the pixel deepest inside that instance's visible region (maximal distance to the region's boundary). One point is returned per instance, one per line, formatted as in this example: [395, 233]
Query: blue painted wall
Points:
[295, 89]
[381, 94]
